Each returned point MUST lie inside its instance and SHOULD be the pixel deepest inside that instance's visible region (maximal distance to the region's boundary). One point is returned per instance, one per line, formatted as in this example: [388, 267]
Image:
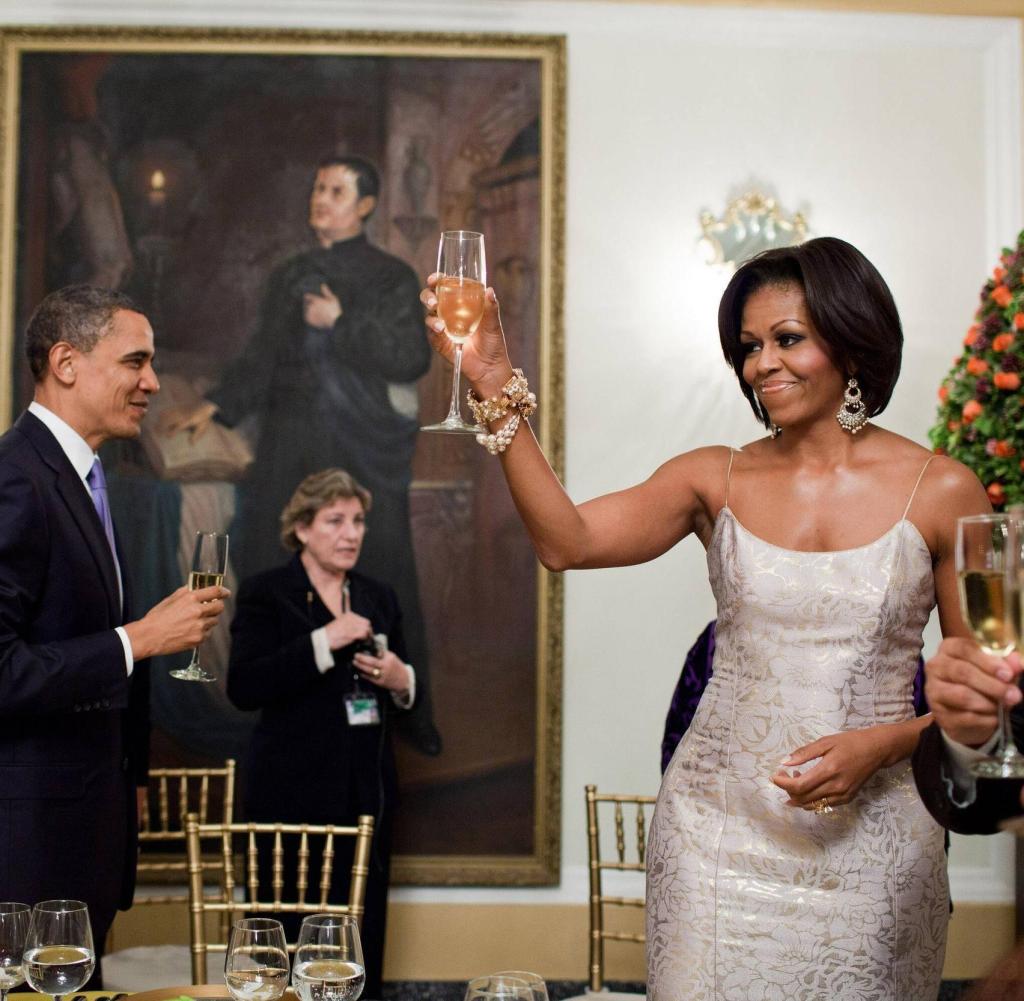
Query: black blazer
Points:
[307, 763]
[995, 800]
[73, 727]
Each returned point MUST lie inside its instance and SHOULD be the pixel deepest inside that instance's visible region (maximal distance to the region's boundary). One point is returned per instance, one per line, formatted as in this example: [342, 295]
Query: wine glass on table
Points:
[498, 987]
[534, 981]
[329, 959]
[988, 572]
[14, 922]
[256, 964]
[209, 564]
[460, 288]
[59, 954]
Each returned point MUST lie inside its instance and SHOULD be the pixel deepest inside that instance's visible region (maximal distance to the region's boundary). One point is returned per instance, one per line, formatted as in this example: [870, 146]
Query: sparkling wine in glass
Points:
[209, 564]
[498, 987]
[987, 570]
[14, 922]
[329, 959]
[462, 267]
[256, 964]
[59, 954]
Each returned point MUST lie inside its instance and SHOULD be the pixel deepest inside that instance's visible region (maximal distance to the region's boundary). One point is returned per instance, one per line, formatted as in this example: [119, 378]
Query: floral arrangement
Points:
[981, 410]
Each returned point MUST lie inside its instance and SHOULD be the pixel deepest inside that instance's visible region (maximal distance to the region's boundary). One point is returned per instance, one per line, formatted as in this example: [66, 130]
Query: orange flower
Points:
[953, 425]
[1004, 449]
[972, 409]
[1003, 341]
[1018, 320]
[943, 393]
[973, 332]
[1002, 296]
[939, 450]
[1006, 380]
[999, 274]
[977, 366]
[996, 493]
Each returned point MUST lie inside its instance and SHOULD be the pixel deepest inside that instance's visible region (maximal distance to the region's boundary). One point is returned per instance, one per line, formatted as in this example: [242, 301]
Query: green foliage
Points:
[981, 416]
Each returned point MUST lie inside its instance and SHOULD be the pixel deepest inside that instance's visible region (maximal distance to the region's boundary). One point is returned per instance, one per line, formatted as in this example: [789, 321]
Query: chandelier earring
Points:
[853, 415]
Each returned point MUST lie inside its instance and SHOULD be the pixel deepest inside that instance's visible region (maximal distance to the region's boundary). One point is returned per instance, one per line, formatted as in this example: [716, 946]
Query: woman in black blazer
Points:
[318, 649]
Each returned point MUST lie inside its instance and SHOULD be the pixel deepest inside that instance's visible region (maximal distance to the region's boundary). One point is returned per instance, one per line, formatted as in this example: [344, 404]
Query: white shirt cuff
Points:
[322, 650]
[956, 768]
[404, 700]
[129, 657]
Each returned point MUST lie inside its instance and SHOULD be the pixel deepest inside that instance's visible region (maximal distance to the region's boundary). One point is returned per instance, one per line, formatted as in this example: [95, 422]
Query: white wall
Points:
[899, 133]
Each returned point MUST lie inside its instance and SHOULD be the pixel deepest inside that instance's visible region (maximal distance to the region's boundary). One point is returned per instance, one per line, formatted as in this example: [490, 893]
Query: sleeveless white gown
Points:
[751, 900]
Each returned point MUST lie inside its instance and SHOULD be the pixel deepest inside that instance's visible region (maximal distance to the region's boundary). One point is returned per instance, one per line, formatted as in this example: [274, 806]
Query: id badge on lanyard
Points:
[361, 707]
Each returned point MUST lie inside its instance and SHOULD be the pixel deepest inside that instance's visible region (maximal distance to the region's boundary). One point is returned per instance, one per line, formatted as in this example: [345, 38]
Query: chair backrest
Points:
[172, 794]
[245, 840]
[624, 860]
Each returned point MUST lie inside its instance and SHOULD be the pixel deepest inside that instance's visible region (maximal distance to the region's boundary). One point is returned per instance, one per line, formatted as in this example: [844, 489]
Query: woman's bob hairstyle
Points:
[314, 493]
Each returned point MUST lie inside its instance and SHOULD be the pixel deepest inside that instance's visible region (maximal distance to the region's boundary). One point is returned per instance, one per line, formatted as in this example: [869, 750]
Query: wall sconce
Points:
[751, 223]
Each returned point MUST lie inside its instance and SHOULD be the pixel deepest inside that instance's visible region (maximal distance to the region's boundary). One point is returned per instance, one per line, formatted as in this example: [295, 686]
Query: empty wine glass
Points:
[209, 564]
[256, 964]
[59, 954]
[14, 922]
[532, 980]
[329, 959]
[987, 571]
[462, 266]
[498, 987]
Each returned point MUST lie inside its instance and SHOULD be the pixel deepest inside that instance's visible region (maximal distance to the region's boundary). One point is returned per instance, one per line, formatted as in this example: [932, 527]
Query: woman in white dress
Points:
[790, 857]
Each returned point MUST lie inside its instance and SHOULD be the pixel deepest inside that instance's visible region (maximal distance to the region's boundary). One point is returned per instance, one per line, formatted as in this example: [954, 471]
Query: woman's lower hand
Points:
[387, 671]
[485, 361]
[847, 761]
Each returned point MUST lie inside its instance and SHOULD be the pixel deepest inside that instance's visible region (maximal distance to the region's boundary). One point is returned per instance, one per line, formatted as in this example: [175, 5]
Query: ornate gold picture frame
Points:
[177, 166]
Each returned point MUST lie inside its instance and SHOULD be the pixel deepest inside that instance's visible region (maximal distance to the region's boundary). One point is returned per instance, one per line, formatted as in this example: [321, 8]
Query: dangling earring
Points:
[775, 431]
[853, 415]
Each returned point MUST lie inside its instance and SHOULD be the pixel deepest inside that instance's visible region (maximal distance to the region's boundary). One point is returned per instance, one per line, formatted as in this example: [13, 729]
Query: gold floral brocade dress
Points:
[751, 900]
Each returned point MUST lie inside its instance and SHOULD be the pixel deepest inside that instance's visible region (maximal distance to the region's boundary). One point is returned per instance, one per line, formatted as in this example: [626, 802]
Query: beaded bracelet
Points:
[515, 396]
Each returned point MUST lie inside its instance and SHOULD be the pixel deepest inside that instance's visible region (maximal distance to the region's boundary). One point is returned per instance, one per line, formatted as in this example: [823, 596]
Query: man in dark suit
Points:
[964, 687]
[73, 695]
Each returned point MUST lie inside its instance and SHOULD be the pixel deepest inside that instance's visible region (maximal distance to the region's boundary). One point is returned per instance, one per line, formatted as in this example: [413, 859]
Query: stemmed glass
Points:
[209, 564]
[987, 570]
[329, 959]
[498, 987]
[532, 980]
[256, 964]
[59, 955]
[14, 923]
[460, 290]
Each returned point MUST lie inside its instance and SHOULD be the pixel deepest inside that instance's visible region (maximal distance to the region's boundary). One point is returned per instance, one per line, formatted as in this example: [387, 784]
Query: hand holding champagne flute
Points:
[209, 564]
[988, 567]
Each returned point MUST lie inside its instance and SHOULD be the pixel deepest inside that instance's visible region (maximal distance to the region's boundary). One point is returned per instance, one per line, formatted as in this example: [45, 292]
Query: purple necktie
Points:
[98, 488]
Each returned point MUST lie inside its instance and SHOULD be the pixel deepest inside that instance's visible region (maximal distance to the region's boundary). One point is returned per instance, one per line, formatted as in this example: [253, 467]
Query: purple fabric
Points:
[98, 489]
[698, 668]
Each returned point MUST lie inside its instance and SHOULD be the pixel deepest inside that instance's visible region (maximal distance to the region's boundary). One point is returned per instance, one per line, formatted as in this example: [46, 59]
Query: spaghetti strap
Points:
[728, 475]
[913, 492]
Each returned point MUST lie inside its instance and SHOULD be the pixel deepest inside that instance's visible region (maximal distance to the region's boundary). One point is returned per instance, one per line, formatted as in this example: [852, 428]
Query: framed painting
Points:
[178, 166]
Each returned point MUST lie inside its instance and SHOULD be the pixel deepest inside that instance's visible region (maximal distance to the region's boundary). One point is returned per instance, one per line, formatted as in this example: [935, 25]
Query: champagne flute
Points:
[532, 980]
[256, 964]
[498, 987]
[209, 564]
[329, 959]
[59, 954]
[984, 565]
[14, 923]
[460, 290]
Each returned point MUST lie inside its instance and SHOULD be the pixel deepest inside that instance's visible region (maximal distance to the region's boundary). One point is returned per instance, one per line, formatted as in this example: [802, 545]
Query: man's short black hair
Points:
[367, 176]
[78, 314]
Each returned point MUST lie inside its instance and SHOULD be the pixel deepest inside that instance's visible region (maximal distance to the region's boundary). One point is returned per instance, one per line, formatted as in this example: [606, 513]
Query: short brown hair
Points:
[313, 494]
[78, 314]
[848, 302]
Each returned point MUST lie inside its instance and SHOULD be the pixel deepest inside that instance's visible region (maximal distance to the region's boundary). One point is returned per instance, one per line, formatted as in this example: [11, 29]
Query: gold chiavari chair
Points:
[172, 794]
[624, 860]
[222, 899]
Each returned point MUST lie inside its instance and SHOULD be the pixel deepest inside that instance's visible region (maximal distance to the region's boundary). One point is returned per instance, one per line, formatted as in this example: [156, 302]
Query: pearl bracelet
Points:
[515, 396]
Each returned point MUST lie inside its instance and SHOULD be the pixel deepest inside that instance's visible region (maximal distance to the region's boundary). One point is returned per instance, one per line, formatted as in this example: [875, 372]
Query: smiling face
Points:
[785, 360]
[336, 212]
[333, 539]
[111, 384]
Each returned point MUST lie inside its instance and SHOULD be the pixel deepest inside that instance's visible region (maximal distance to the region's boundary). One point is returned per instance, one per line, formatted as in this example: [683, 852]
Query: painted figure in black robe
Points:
[338, 324]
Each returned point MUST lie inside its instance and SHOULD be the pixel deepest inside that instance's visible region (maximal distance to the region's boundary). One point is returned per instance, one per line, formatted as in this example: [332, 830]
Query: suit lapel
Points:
[78, 502]
[302, 595]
